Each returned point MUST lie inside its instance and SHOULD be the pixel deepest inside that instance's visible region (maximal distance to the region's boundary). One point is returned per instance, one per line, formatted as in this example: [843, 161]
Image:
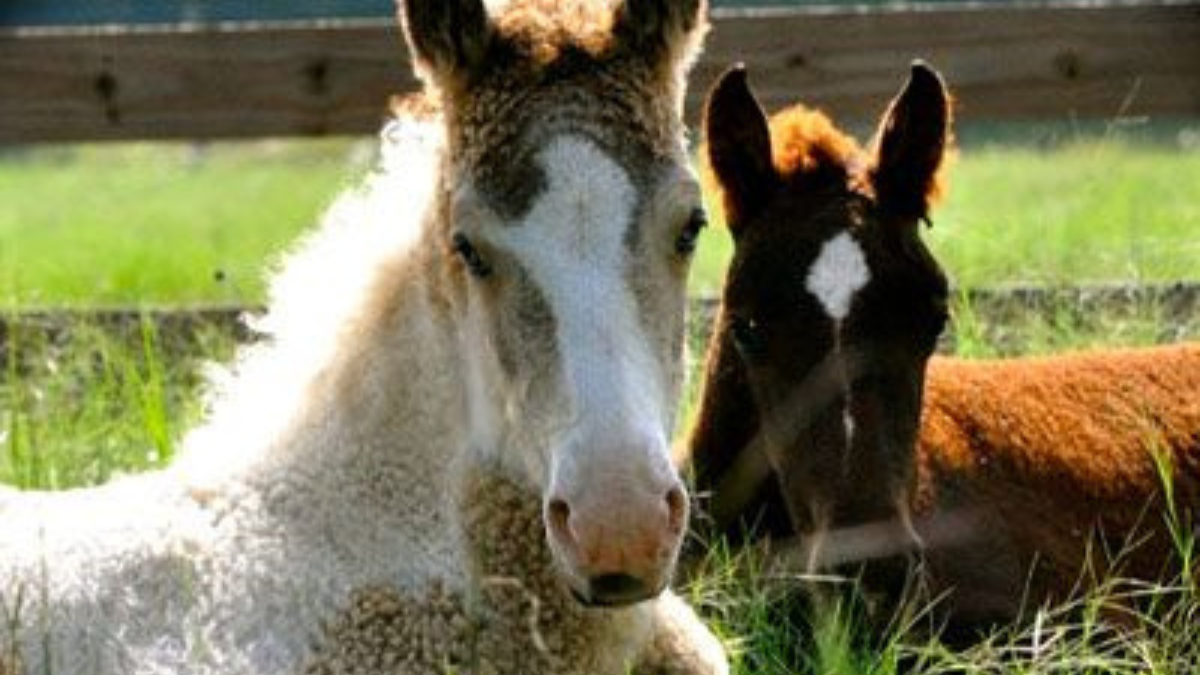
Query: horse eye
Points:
[747, 336]
[475, 263]
[686, 243]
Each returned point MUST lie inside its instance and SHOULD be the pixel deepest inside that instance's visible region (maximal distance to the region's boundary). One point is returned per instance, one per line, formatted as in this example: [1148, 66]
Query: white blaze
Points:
[838, 274]
[835, 278]
[572, 242]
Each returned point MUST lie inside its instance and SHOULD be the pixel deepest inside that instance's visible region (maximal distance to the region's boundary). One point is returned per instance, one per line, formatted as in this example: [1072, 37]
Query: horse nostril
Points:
[558, 513]
[616, 589]
[677, 509]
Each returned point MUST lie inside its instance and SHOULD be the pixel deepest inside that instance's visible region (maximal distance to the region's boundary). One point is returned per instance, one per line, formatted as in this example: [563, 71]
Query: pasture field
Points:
[143, 224]
[159, 224]
[155, 225]
[81, 410]
[90, 404]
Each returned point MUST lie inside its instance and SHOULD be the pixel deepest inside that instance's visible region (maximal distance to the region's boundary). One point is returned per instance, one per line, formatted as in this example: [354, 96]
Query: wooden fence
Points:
[1007, 62]
[1002, 316]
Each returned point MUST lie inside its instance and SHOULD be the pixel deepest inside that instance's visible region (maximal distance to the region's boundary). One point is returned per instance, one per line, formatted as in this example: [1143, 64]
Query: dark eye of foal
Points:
[475, 263]
[747, 336]
[686, 243]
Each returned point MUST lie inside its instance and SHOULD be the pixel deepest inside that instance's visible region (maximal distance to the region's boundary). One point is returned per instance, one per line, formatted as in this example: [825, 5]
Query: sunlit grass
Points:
[150, 224]
[989, 331]
[179, 224]
[1084, 212]
[82, 405]
[1112, 626]
[153, 225]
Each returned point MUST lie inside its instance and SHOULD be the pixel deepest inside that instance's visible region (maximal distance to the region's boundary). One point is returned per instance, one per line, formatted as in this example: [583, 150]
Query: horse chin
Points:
[608, 591]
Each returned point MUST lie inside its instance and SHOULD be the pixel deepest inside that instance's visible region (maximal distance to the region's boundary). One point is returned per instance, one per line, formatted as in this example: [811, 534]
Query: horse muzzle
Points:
[619, 549]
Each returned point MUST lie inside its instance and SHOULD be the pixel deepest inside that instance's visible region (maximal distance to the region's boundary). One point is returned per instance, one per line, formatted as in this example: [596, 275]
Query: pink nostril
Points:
[559, 516]
[677, 509]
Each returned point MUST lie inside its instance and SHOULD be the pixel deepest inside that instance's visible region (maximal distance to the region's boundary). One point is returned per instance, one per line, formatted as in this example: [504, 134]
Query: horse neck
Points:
[727, 420]
[391, 400]
[377, 403]
[727, 425]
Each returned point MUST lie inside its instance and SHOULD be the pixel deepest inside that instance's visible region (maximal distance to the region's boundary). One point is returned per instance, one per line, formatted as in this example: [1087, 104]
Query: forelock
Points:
[541, 30]
[808, 149]
[551, 71]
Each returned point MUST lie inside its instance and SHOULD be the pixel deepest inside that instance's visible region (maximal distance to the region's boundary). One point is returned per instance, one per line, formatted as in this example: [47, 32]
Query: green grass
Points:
[86, 404]
[1086, 211]
[172, 224]
[78, 407]
[1116, 627]
[150, 224]
[1083, 211]
[982, 332]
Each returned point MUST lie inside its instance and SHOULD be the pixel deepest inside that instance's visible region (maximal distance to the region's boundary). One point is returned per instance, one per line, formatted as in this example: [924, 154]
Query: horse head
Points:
[569, 215]
[831, 309]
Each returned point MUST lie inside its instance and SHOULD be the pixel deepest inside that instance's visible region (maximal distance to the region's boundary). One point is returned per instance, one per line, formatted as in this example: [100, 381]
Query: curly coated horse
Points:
[450, 451]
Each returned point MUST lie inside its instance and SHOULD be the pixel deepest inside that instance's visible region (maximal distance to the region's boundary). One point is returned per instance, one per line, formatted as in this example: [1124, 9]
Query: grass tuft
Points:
[1115, 627]
[87, 404]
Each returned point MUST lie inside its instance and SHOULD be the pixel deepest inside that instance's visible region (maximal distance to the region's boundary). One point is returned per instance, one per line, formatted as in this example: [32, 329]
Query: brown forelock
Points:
[542, 29]
[553, 68]
[809, 150]
[808, 153]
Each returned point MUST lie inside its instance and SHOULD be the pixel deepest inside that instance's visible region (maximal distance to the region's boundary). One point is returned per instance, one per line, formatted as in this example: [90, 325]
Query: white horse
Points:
[450, 453]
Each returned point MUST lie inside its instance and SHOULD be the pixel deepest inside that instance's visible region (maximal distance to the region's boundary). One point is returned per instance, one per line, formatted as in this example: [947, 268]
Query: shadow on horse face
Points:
[569, 221]
[831, 309]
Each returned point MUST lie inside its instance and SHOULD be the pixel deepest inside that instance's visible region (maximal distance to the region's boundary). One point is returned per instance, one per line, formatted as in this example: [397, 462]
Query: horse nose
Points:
[616, 589]
[622, 549]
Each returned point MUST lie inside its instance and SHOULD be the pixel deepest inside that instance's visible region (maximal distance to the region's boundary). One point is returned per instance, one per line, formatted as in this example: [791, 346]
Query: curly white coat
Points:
[330, 465]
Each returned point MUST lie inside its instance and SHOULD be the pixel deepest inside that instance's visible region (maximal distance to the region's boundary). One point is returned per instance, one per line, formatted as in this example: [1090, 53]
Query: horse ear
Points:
[739, 145]
[910, 145]
[447, 38]
[661, 30]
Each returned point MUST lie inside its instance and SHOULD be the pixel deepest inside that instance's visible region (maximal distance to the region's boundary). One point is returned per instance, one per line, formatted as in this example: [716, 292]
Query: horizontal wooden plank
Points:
[1087, 61]
[249, 80]
[202, 83]
[91, 12]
